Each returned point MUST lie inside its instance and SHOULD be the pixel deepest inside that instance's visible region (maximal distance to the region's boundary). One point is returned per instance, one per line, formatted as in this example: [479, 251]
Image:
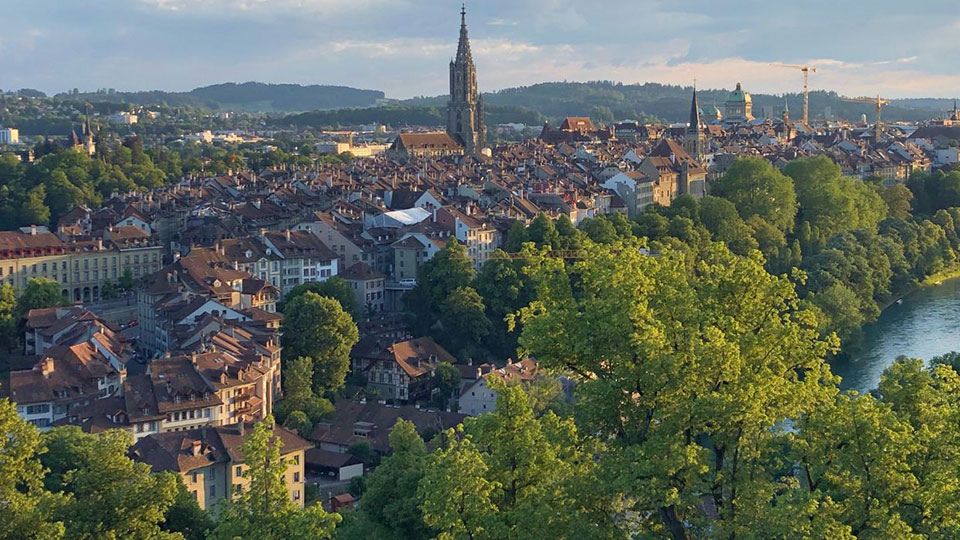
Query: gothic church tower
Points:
[465, 109]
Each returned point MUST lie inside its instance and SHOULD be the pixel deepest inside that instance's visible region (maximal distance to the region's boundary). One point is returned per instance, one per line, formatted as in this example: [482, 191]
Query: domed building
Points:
[738, 109]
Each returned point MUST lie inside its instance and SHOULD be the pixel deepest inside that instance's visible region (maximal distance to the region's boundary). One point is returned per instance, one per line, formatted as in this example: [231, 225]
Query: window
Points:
[196, 477]
[296, 495]
[213, 490]
[239, 473]
[296, 477]
[38, 409]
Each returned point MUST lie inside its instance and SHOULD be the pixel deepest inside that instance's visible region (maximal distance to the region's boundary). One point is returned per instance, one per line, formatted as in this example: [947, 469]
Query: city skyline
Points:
[400, 47]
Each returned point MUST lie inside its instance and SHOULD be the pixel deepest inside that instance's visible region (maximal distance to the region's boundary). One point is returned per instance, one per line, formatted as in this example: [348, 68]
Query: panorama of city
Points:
[508, 296]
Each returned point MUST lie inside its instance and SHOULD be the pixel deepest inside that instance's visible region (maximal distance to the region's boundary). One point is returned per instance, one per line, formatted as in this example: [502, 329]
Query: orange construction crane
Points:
[806, 91]
[879, 103]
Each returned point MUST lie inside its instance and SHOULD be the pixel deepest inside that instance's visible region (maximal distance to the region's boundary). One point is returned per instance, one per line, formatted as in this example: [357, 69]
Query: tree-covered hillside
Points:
[250, 96]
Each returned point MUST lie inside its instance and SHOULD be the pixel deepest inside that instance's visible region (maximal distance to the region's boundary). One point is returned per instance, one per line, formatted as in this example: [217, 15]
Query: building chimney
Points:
[197, 447]
[287, 234]
[33, 230]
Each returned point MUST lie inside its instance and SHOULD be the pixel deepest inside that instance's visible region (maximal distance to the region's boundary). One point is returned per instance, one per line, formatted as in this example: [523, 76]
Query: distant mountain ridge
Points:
[250, 97]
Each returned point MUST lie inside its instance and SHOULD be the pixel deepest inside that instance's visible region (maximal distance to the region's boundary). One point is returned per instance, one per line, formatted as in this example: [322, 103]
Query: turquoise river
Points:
[924, 325]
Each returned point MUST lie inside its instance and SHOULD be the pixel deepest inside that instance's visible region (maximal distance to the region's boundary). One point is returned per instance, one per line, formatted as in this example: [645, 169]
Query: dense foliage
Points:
[317, 328]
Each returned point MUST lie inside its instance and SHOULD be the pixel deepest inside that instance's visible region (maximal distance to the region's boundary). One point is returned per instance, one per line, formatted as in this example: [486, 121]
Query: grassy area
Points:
[949, 273]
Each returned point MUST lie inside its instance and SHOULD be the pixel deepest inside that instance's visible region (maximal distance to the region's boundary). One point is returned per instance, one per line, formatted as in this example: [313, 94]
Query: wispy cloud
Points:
[401, 46]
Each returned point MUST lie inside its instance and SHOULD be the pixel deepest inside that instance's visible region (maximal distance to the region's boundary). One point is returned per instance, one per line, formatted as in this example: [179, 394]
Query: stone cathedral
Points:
[465, 109]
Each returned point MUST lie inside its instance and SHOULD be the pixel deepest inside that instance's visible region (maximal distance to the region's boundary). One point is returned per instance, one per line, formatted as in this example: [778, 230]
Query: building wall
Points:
[208, 485]
[478, 399]
[293, 477]
[81, 274]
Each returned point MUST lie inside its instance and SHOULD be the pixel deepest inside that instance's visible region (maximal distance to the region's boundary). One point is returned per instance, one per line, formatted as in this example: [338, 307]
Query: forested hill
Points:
[605, 100]
[602, 100]
[250, 97]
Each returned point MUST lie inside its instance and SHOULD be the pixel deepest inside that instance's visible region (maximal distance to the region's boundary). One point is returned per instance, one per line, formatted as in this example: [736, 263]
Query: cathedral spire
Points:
[465, 109]
[463, 48]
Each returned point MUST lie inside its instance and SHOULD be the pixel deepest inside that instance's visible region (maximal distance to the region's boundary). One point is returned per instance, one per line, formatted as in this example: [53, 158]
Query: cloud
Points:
[402, 46]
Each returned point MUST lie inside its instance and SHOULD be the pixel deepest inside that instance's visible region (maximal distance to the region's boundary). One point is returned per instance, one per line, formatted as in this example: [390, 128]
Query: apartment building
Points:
[211, 463]
[81, 267]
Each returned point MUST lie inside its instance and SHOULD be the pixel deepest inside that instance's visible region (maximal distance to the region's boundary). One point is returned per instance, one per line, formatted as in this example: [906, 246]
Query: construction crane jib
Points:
[806, 87]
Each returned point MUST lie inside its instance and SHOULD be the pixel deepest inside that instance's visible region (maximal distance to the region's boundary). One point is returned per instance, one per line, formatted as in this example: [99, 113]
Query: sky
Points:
[860, 47]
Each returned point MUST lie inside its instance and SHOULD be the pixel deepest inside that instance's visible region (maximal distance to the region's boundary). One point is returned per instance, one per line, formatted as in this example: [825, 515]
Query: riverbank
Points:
[936, 279]
[923, 326]
[953, 272]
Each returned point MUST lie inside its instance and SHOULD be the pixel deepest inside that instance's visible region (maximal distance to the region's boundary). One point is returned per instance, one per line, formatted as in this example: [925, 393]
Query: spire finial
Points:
[463, 13]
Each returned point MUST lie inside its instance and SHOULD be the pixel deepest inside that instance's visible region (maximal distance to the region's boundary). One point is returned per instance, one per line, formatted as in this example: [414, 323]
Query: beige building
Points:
[81, 268]
[424, 145]
[480, 237]
[369, 286]
[210, 461]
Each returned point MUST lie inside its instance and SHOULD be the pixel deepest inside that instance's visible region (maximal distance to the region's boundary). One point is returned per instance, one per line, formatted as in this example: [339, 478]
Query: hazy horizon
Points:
[402, 47]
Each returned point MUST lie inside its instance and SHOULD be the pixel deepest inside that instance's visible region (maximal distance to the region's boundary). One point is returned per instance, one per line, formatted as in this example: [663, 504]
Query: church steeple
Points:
[465, 109]
[693, 140]
[695, 112]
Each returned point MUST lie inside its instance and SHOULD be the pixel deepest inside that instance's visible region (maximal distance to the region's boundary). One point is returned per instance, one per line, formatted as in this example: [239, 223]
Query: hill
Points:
[249, 97]
[612, 101]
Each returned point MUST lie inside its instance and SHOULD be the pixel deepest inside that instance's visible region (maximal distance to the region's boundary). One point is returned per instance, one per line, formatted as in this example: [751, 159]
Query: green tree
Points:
[446, 381]
[39, 293]
[389, 507]
[516, 237]
[298, 393]
[110, 495]
[447, 271]
[504, 289]
[756, 188]
[464, 321]
[264, 509]
[8, 320]
[897, 198]
[543, 232]
[316, 327]
[855, 459]
[833, 203]
[34, 210]
[686, 368]
[524, 471]
[186, 517]
[28, 508]
[336, 288]
[126, 281]
[299, 421]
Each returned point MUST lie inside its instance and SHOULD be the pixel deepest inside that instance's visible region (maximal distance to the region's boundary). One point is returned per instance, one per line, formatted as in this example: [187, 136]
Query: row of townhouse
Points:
[81, 267]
